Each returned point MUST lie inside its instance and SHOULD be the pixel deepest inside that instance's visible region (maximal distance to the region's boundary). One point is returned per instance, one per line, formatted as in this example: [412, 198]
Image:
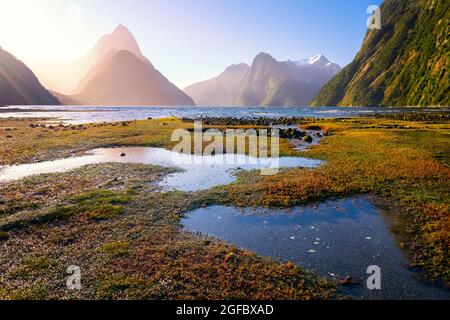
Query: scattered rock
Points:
[348, 281]
[255, 121]
[307, 139]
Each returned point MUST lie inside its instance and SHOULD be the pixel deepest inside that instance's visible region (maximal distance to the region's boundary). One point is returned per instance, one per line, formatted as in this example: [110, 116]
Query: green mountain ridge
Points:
[405, 63]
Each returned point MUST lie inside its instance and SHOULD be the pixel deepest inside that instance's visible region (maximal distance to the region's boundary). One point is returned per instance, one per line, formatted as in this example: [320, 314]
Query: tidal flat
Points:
[124, 230]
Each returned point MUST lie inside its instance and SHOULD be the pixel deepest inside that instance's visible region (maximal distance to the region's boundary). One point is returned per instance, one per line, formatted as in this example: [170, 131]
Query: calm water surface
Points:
[89, 114]
[336, 239]
[198, 172]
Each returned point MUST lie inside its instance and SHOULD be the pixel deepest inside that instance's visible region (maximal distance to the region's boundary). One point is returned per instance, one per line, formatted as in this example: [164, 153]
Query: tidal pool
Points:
[335, 239]
[197, 172]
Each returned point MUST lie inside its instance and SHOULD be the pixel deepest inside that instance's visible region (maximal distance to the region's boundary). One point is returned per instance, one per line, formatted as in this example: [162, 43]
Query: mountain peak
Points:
[121, 29]
[263, 58]
[120, 39]
[237, 67]
[317, 59]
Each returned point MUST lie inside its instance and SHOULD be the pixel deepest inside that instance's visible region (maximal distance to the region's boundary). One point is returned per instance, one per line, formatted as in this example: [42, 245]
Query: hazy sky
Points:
[187, 40]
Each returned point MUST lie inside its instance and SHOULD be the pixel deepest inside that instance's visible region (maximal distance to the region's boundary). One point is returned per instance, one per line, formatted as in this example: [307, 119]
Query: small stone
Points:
[347, 281]
[307, 139]
[123, 154]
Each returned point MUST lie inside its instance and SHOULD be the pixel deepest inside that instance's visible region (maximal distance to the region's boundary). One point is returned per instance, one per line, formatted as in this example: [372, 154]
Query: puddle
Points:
[338, 238]
[199, 172]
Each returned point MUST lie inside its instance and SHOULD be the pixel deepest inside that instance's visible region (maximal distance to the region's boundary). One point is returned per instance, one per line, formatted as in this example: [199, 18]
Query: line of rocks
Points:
[414, 116]
[233, 121]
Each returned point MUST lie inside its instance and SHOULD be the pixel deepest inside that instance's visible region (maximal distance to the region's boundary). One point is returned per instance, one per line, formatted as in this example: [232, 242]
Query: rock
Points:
[307, 139]
[348, 281]
[313, 128]
[123, 154]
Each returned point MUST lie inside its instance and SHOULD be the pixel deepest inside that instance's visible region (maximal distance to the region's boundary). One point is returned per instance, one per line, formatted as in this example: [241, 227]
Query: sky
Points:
[187, 40]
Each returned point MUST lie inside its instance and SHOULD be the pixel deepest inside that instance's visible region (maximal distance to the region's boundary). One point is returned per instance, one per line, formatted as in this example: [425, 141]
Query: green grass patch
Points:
[32, 267]
[3, 236]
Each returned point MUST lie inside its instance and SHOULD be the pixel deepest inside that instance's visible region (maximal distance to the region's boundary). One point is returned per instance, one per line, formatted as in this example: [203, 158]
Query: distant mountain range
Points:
[19, 85]
[267, 82]
[405, 63]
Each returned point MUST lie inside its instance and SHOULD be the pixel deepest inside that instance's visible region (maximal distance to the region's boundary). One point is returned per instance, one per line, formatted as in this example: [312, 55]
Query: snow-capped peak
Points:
[315, 59]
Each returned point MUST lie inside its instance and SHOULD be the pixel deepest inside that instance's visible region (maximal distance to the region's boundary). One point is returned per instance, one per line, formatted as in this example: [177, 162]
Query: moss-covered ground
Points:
[116, 223]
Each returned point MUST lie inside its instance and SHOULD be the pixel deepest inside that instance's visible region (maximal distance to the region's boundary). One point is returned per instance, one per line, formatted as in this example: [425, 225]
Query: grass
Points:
[32, 267]
[124, 231]
[3, 236]
[41, 143]
[139, 254]
[116, 248]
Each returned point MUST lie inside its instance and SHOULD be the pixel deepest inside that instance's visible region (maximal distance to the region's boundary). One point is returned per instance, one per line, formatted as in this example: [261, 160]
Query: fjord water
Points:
[197, 172]
[92, 114]
[336, 239]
